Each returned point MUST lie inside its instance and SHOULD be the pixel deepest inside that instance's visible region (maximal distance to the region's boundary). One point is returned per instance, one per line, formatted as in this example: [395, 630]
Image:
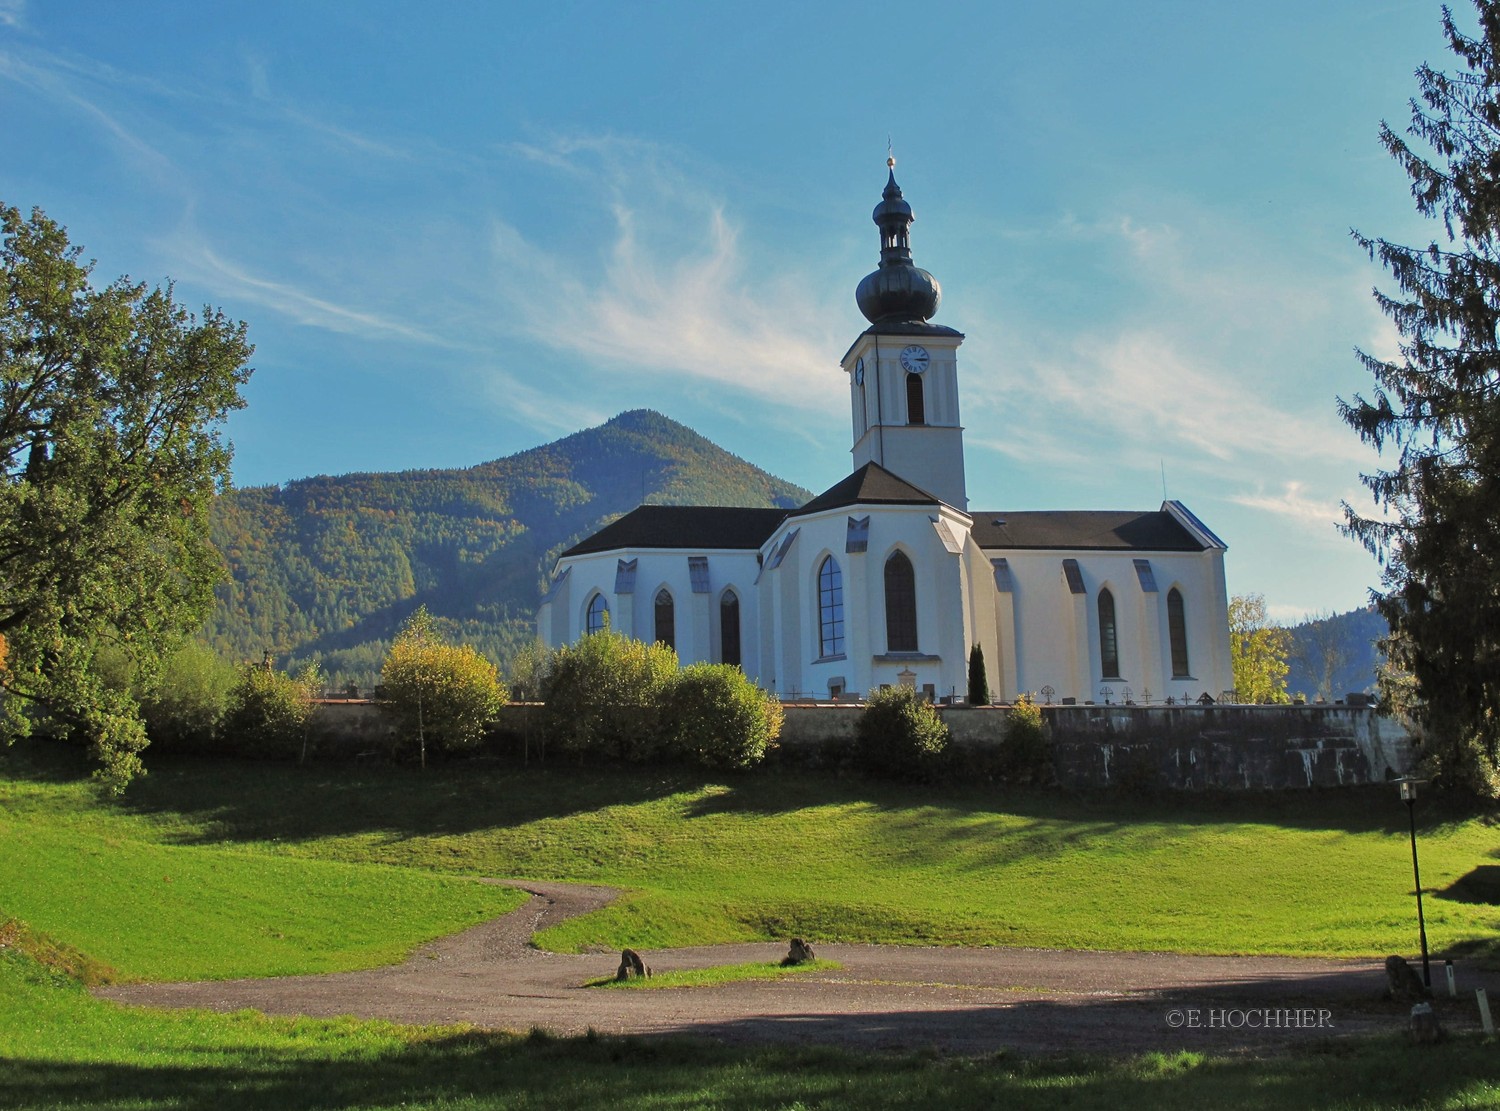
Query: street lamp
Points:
[1408, 788]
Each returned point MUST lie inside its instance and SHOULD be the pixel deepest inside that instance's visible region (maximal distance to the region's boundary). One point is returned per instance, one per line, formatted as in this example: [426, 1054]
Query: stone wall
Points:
[1227, 747]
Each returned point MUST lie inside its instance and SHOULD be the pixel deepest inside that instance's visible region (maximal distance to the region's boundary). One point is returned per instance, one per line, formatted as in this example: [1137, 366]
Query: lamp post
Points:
[1409, 796]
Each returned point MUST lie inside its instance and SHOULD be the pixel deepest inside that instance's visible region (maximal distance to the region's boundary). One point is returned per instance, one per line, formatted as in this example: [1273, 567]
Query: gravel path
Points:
[885, 997]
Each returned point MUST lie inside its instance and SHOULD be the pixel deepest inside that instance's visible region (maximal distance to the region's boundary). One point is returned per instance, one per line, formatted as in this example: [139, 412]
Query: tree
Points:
[111, 402]
[606, 694]
[1436, 407]
[979, 683]
[1258, 650]
[717, 717]
[1323, 649]
[270, 711]
[900, 735]
[441, 694]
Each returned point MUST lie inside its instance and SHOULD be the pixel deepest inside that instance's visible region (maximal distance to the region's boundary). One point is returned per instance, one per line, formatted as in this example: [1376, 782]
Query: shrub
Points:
[900, 736]
[270, 712]
[442, 695]
[1026, 752]
[605, 696]
[186, 710]
[719, 718]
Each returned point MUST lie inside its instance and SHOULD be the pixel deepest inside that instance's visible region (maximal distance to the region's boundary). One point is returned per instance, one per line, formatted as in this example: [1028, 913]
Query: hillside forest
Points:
[326, 569]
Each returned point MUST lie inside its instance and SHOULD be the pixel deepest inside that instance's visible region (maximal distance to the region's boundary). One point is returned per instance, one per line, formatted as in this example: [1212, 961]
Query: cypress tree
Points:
[979, 684]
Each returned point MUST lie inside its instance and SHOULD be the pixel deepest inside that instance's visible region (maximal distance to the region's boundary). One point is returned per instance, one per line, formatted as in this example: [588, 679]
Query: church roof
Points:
[872, 484]
[1085, 530]
[701, 527]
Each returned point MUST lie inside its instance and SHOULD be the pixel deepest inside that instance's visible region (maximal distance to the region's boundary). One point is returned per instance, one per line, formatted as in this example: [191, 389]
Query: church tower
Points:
[903, 371]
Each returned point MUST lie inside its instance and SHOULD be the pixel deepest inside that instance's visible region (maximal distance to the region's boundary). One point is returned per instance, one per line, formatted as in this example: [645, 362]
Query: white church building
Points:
[889, 577]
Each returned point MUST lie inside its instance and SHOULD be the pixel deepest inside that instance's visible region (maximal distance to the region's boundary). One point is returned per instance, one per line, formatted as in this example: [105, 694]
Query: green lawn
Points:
[227, 869]
[783, 853]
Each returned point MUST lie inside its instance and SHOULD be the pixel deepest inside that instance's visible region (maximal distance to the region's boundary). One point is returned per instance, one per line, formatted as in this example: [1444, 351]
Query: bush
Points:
[443, 696]
[1026, 752]
[718, 718]
[186, 710]
[900, 736]
[605, 696]
[270, 712]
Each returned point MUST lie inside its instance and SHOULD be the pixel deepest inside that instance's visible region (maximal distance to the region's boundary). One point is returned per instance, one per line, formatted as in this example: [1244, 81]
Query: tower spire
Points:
[899, 291]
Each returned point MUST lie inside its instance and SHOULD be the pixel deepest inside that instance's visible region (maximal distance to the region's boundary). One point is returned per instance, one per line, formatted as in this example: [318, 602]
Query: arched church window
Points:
[1109, 641]
[900, 604]
[916, 401]
[597, 615]
[1177, 631]
[666, 618]
[830, 609]
[729, 628]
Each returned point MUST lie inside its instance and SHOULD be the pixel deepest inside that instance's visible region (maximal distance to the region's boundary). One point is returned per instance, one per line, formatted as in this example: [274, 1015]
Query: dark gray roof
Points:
[700, 527]
[1084, 530]
[872, 484]
[904, 328]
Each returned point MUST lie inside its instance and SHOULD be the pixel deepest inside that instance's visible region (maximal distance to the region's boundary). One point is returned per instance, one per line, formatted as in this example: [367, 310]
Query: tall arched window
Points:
[900, 604]
[666, 618]
[729, 628]
[916, 402]
[830, 609]
[1109, 641]
[1177, 631]
[597, 615]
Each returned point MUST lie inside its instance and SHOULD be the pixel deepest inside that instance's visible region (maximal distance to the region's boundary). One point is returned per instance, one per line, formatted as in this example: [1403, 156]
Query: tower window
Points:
[900, 604]
[1177, 631]
[916, 402]
[830, 609]
[729, 628]
[666, 618]
[597, 615]
[1109, 642]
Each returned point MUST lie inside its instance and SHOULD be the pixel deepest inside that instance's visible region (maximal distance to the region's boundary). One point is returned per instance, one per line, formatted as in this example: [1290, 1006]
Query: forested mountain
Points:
[331, 566]
[1334, 655]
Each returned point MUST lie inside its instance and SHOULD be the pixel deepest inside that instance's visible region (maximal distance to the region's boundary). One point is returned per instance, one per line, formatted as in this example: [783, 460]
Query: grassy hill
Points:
[331, 566]
[225, 868]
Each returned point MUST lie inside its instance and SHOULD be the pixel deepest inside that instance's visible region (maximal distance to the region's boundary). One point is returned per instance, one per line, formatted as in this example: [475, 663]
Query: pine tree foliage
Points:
[1434, 414]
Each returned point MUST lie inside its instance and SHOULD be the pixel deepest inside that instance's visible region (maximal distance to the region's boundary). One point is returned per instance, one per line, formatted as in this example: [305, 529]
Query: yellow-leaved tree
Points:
[442, 695]
[1258, 650]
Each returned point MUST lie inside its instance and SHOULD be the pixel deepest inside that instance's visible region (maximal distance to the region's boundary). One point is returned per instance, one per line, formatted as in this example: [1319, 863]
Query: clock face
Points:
[915, 359]
[859, 371]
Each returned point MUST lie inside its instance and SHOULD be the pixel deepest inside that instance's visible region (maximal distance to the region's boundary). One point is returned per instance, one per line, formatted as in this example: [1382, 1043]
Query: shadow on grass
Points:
[234, 799]
[478, 1071]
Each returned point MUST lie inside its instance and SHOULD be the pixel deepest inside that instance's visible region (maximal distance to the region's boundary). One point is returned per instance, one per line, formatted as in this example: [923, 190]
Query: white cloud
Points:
[12, 13]
[1295, 504]
[676, 296]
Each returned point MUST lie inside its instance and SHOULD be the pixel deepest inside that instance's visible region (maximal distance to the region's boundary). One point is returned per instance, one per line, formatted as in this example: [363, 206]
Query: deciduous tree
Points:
[1434, 414]
[441, 694]
[1258, 650]
[111, 403]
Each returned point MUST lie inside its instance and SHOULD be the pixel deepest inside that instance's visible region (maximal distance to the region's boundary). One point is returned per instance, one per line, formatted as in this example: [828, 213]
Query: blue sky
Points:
[461, 230]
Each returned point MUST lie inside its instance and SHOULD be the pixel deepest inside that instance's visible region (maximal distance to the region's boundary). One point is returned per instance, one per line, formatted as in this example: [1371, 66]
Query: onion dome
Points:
[899, 291]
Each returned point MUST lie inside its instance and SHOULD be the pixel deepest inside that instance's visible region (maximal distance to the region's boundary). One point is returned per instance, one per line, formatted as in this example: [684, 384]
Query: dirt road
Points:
[958, 1000]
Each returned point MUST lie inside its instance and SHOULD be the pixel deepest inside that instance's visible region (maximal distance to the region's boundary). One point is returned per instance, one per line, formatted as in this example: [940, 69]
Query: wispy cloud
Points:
[12, 13]
[675, 297]
[205, 264]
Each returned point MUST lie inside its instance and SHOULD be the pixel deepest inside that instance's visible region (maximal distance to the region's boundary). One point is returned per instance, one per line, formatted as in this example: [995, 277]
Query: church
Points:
[888, 577]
